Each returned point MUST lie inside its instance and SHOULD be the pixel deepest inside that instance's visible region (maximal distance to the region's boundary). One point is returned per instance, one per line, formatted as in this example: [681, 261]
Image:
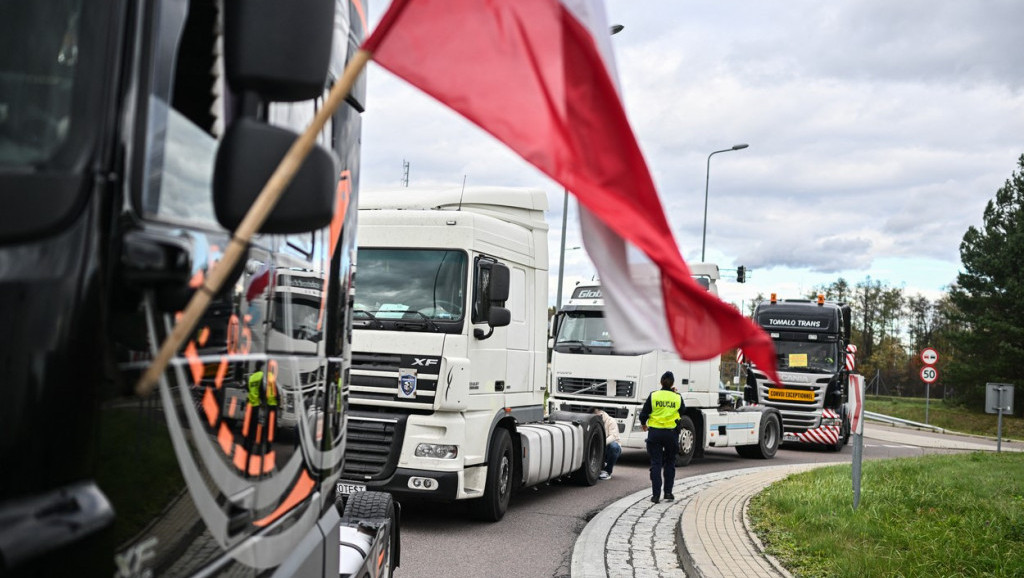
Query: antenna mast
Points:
[463, 191]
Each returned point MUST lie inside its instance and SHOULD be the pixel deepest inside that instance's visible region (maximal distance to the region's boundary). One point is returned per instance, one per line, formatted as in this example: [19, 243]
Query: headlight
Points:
[833, 421]
[439, 451]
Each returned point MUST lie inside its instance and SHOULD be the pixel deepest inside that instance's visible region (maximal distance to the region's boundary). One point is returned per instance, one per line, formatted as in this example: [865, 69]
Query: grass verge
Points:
[940, 515]
[959, 419]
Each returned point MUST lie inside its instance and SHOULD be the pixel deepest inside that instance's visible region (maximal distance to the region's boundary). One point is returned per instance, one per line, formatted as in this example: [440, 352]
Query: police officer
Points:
[659, 418]
[260, 416]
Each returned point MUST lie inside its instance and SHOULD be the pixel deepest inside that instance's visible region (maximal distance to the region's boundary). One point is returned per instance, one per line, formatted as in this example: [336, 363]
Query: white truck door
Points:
[519, 363]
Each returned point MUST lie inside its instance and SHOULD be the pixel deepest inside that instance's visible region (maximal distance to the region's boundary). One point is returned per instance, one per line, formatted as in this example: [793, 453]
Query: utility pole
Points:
[405, 173]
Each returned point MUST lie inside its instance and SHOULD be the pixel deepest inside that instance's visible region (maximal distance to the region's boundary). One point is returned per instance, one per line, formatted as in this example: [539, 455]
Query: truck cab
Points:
[811, 339]
[588, 372]
[448, 350]
[133, 135]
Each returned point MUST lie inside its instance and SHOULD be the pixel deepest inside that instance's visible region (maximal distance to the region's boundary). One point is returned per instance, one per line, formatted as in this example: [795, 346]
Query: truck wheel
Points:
[687, 441]
[844, 436]
[365, 505]
[767, 439]
[498, 488]
[593, 456]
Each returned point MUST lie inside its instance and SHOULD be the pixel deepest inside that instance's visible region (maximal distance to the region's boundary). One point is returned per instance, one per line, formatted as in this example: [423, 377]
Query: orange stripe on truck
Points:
[300, 491]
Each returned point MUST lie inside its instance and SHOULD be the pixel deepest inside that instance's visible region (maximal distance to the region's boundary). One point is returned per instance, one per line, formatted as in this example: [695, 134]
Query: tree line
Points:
[977, 326]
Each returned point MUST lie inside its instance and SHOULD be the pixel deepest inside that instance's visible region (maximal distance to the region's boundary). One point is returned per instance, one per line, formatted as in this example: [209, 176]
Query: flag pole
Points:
[253, 220]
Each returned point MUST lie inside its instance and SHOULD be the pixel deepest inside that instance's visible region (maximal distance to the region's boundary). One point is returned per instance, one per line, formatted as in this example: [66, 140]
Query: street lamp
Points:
[561, 259]
[707, 178]
[612, 30]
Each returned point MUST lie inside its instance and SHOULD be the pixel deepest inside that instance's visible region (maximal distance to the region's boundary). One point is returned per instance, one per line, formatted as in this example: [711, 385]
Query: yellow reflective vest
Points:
[665, 406]
[255, 383]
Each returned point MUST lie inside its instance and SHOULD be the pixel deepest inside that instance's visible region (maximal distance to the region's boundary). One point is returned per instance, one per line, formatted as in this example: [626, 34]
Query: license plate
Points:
[348, 488]
[791, 394]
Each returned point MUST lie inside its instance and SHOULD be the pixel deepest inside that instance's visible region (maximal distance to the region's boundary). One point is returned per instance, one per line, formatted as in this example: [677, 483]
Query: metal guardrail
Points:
[897, 421]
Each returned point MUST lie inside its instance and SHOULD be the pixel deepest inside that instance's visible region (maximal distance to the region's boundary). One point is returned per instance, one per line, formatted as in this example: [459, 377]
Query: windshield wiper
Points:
[427, 322]
[574, 341]
[371, 321]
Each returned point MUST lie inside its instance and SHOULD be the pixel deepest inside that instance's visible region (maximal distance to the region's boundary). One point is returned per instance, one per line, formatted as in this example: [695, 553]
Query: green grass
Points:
[958, 419]
[939, 515]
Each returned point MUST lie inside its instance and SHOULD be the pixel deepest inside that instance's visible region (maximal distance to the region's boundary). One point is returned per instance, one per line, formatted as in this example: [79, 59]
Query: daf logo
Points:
[423, 361]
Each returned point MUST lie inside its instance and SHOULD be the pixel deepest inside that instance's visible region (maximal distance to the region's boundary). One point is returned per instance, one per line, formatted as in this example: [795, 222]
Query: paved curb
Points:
[707, 522]
[620, 540]
[714, 536]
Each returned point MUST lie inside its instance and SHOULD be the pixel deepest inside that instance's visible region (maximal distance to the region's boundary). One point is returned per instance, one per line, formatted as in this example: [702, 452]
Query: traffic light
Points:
[741, 274]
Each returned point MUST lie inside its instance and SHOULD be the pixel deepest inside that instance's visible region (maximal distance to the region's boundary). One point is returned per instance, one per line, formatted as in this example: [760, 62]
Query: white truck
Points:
[587, 372]
[447, 382]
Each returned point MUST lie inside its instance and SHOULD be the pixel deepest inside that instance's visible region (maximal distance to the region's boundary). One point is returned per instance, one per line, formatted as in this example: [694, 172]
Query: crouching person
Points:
[612, 449]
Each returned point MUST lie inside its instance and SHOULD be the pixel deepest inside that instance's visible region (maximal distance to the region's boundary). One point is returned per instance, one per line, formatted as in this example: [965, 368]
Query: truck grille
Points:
[797, 416]
[372, 446]
[595, 386]
[374, 380]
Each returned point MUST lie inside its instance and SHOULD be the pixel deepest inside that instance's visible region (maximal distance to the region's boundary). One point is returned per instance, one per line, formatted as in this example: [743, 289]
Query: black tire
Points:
[593, 455]
[768, 439]
[366, 505]
[844, 436]
[687, 441]
[498, 489]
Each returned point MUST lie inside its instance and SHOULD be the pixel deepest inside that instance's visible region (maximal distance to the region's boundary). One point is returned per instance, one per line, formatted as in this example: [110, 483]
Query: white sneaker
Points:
[604, 475]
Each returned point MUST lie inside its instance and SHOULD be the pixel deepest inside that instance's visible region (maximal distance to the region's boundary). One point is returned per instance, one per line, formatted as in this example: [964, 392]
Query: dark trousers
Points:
[612, 452]
[662, 446]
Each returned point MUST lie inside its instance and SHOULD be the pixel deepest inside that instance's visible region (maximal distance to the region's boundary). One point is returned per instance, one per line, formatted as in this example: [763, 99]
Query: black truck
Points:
[812, 347]
[133, 137]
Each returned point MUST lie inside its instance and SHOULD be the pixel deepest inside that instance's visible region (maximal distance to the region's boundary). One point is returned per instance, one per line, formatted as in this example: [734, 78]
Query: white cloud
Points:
[878, 130]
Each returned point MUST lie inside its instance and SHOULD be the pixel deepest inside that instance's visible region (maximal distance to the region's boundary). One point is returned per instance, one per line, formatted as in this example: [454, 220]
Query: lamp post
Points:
[612, 30]
[561, 260]
[707, 178]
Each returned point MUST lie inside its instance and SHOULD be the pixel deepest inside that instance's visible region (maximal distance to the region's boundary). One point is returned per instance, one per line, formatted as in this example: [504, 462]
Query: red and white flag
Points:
[538, 75]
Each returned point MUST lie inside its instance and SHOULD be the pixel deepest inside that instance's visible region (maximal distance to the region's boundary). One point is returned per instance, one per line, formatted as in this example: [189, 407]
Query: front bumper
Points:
[419, 484]
[826, 435]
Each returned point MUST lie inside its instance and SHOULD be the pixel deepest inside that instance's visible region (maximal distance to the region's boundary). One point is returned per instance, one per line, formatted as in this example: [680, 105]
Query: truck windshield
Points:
[583, 332]
[806, 356]
[38, 59]
[410, 289]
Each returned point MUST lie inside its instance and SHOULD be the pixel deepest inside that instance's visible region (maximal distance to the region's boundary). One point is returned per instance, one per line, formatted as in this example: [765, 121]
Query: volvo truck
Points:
[587, 372]
[133, 137]
[448, 352]
[815, 358]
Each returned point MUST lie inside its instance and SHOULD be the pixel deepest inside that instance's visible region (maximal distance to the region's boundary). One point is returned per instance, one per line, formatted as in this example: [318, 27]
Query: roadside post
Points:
[999, 398]
[857, 430]
[928, 375]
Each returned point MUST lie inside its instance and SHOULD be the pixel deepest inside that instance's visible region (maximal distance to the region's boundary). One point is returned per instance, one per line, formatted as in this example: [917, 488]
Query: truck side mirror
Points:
[499, 317]
[261, 54]
[499, 285]
[492, 288]
[264, 64]
[248, 155]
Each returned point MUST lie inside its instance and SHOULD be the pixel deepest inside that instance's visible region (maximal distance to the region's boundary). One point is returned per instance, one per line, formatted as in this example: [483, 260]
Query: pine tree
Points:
[989, 296]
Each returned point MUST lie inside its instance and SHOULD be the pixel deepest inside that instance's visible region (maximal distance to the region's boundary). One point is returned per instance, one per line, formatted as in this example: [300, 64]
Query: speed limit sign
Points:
[929, 374]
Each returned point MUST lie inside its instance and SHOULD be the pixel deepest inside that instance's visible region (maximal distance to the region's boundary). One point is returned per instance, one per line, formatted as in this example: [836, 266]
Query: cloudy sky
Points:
[878, 130]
